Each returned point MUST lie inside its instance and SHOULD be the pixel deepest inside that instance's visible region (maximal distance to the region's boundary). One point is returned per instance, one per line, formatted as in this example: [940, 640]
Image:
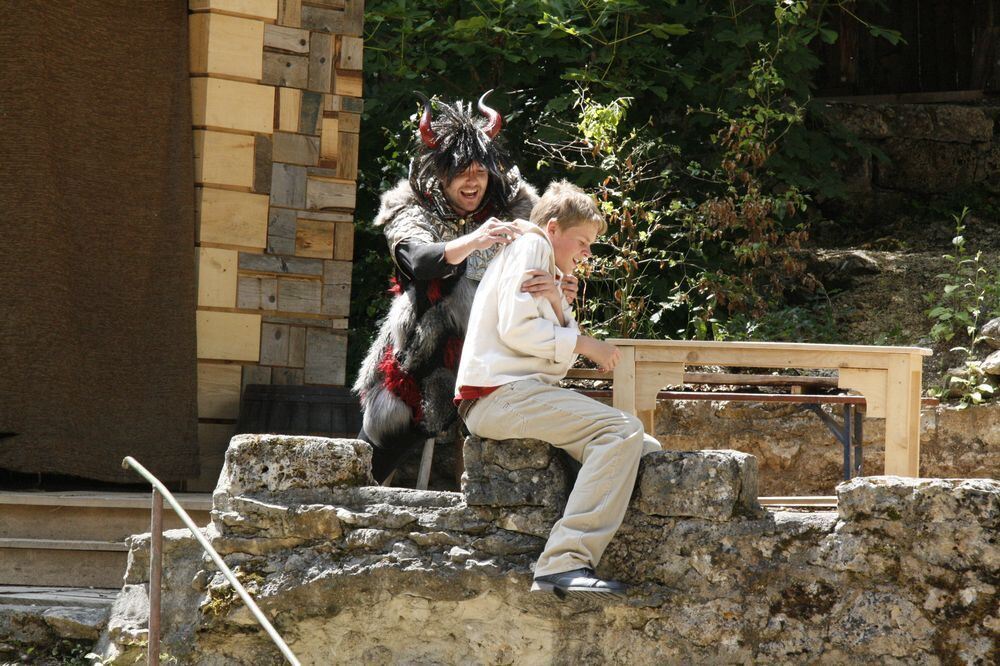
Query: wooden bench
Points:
[885, 380]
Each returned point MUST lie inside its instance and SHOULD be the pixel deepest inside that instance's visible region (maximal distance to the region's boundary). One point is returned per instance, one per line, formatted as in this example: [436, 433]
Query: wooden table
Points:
[887, 377]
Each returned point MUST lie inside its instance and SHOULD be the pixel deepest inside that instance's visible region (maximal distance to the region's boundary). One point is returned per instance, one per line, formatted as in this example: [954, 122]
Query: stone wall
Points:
[932, 148]
[904, 572]
[799, 456]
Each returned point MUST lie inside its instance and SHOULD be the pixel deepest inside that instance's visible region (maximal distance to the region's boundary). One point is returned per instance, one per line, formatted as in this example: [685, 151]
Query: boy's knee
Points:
[650, 445]
[634, 436]
[632, 425]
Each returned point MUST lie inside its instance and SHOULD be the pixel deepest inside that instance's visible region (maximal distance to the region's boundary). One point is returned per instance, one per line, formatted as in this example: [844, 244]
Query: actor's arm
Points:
[425, 261]
[521, 325]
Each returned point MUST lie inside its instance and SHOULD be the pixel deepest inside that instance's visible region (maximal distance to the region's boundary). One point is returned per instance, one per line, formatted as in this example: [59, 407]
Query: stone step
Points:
[40, 617]
[50, 596]
[77, 538]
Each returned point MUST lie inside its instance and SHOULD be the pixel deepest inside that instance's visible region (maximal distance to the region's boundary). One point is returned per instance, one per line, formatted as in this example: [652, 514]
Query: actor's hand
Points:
[540, 283]
[493, 232]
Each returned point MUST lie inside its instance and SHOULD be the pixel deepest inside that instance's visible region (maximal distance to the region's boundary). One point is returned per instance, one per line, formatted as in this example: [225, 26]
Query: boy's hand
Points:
[570, 286]
[604, 354]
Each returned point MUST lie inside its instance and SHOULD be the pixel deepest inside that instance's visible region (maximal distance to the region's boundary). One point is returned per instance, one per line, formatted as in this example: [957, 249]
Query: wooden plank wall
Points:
[276, 96]
[950, 45]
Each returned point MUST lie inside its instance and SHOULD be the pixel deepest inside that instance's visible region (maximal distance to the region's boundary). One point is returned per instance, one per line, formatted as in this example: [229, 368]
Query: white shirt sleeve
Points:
[522, 324]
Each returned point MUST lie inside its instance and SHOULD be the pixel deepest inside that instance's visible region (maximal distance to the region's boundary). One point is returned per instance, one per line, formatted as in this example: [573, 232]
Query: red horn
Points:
[495, 119]
[427, 134]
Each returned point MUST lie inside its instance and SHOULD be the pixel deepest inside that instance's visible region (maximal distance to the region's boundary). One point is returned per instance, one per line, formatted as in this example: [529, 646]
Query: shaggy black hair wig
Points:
[460, 137]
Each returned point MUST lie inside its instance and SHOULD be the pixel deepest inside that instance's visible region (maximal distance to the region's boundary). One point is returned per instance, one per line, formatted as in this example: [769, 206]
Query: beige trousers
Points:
[608, 443]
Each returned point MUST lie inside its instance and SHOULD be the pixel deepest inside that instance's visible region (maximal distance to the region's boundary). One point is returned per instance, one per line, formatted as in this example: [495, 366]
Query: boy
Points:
[519, 345]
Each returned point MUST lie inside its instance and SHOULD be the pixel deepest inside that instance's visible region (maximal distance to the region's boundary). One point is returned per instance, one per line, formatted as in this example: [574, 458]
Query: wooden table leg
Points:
[623, 392]
[650, 378]
[902, 418]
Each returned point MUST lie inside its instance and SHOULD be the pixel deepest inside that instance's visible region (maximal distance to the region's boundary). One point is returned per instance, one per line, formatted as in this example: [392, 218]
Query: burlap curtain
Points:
[97, 287]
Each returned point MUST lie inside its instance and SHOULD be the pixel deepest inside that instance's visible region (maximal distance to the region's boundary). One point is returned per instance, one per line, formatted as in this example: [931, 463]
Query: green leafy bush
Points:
[969, 298]
[691, 120]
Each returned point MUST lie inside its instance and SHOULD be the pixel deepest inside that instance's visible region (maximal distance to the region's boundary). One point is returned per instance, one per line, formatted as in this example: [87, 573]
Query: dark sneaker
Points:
[578, 582]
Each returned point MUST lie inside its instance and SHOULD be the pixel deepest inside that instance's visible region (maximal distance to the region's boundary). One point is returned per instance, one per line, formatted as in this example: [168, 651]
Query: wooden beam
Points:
[282, 38]
[290, 13]
[284, 69]
[219, 390]
[289, 108]
[228, 336]
[219, 103]
[216, 277]
[226, 45]
[261, 9]
[329, 193]
[314, 238]
[223, 158]
[231, 218]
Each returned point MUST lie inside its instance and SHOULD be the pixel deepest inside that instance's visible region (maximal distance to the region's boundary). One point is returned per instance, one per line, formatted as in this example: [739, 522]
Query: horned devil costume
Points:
[407, 381]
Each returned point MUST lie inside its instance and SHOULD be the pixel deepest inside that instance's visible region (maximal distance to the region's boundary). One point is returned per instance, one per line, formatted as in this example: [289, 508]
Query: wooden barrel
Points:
[328, 411]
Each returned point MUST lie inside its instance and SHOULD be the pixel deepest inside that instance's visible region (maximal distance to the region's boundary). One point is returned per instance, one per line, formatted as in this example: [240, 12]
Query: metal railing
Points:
[160, 493]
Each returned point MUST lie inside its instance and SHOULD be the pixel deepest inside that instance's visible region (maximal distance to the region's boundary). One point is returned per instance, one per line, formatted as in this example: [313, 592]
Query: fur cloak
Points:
[407, 381]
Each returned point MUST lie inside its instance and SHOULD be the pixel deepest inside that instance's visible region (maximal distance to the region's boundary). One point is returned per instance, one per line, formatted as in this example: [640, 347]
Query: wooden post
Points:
[902, 418]
[623, 394]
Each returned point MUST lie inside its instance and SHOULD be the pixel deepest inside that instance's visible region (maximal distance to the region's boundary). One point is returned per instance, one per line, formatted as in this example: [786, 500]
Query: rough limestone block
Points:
[920, 501]
[934, 527]
[253, 518]
[991, 364]
[711, 485]
[990, 333]
[76, 623]
[525, 477]
[272, 464]
[965, 124]
[924, 165]
[513, 472]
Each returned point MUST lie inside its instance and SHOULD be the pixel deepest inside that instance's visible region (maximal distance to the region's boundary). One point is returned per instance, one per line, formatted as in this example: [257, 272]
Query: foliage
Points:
[970, 295]
[970, 385]
[697, 112]
[969, 298]
[64, 651]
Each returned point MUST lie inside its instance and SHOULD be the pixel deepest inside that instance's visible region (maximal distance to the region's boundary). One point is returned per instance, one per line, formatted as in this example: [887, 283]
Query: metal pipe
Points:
[848, 434]
[859, 442]
[129, 461]
[155, 577]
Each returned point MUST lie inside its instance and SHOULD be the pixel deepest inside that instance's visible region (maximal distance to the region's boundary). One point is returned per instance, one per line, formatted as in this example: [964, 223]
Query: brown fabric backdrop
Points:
[97, 286]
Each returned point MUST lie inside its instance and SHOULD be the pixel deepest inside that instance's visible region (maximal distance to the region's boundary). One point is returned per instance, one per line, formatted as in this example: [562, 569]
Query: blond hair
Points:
[569, 205]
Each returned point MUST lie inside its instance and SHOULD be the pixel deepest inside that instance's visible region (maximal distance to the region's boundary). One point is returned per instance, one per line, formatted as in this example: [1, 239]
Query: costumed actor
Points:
[443, 226]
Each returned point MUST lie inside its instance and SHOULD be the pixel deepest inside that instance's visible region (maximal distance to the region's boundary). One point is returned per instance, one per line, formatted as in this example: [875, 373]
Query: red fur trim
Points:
[453, 353]
[400, 383]
[434, 291]
[395, 288]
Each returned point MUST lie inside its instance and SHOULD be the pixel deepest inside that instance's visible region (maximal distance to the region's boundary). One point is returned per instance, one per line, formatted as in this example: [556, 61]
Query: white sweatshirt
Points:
[513, 335]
